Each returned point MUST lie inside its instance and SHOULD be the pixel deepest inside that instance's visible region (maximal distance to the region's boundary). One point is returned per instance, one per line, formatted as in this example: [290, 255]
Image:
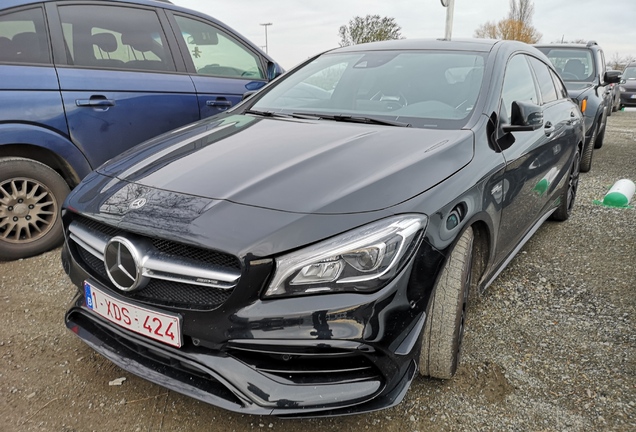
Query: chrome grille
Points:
[179, 275]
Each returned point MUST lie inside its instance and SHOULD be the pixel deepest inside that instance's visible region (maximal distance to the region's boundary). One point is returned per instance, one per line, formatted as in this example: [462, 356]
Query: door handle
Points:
[219, 102]
[95, 101]
[548, 129]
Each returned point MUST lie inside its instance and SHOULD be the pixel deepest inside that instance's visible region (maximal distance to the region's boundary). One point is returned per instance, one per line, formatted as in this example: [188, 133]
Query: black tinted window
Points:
[23, 37]
[546, 85]
[115, 37]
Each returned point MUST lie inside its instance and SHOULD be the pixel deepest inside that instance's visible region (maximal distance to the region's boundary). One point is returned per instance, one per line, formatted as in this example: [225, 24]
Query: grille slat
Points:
[310, 368]
[162, 292]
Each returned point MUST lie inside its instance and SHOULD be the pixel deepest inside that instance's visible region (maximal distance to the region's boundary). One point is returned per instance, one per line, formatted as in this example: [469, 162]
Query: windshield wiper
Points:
[353, 119]
[267, 114]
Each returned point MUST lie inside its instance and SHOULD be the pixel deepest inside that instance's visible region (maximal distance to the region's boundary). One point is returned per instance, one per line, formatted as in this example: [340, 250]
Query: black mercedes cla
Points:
[311, 249]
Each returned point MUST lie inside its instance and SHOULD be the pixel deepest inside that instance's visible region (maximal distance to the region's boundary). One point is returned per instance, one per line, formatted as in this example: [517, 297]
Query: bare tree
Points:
[371, 28]
[517, 26]
[489, 30]
[616, 61]
[574, 41]
[620, 62]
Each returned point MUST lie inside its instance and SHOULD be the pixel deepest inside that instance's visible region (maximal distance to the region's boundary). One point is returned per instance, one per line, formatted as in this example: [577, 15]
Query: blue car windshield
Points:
[434, 89]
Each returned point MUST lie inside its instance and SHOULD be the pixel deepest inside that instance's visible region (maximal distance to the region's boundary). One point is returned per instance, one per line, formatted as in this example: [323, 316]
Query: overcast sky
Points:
[301, 28]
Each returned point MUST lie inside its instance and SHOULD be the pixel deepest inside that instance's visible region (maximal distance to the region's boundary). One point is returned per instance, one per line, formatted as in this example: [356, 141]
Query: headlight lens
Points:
[621, 88]
[361, 260]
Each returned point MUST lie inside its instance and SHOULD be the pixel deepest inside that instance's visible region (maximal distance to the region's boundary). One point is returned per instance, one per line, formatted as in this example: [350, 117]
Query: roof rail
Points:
[590, 43]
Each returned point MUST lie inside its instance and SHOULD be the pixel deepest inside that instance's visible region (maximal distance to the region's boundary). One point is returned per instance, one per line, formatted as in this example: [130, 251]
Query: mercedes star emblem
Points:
[138, 203]
[121, 259]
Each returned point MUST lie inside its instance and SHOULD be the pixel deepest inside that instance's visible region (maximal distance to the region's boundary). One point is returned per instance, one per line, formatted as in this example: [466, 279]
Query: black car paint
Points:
[489, 190]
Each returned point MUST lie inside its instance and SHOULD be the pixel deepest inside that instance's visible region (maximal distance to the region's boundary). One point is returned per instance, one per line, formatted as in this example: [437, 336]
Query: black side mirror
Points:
[524, 117]
[612, 77]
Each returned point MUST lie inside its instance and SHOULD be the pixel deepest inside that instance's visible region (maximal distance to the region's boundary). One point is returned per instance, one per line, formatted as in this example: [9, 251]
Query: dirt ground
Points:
[550, 346]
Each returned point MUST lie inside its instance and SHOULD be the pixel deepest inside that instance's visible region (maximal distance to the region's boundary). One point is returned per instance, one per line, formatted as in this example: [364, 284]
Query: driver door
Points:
[222, 67]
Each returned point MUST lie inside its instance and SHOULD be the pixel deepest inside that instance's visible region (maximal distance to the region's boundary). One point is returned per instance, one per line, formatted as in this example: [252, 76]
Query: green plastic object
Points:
[615, 199]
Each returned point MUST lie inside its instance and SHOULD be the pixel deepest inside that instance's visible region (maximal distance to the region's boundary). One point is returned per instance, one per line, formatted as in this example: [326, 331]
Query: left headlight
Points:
[360, 260]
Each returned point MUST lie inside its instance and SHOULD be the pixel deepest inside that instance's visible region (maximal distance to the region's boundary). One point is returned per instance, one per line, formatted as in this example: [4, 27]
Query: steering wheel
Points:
[569, 76]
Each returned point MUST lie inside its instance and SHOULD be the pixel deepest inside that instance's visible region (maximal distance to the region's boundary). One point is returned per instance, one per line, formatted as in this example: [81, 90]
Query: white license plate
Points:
[160, 326]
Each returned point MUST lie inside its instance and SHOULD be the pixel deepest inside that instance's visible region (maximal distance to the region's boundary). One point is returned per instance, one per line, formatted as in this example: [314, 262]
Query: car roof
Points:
[579, 46]
[481, 45]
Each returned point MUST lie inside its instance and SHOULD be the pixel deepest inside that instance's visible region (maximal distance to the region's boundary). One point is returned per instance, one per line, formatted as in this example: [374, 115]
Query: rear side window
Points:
[216, 53]
[562, 92]
[546, 85]
[115, 37]
[23, 37]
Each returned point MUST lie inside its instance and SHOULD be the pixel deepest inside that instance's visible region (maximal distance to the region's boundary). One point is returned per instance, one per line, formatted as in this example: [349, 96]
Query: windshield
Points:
[434, 89]
[572, 64]
[629, 73]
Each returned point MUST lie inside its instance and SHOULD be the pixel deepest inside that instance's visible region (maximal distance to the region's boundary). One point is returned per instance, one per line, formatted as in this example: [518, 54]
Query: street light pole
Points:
[450, 8]
[266, 25]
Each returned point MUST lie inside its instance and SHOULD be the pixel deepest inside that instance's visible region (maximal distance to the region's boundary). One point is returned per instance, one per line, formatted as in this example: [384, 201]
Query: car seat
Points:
[576, 68]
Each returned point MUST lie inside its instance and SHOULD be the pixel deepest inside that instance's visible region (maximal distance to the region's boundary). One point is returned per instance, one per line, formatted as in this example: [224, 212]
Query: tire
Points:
[568, 193]
[445, 316]
[598, 143]
[31, 196]
[586, 157]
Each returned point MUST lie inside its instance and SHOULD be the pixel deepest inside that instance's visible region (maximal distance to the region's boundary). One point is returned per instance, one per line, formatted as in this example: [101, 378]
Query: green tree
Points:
[371, 28]
[516, 26]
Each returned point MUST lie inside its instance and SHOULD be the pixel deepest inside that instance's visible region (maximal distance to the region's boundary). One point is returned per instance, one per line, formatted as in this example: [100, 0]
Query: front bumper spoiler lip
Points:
[253, 392]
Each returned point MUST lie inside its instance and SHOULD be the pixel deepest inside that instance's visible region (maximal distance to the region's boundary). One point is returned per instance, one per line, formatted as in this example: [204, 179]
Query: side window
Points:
[216, 53]
[518, 85]
[601, 65]
[546, 85]
[115, 37]
[23, 37]
[562, 92]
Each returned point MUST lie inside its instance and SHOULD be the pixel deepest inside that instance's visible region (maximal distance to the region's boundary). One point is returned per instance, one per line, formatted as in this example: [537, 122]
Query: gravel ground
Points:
[550, 346]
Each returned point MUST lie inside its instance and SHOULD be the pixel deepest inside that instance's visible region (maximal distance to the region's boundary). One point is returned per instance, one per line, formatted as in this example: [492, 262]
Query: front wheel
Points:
[568, 193]
[445, 315]
[598, 143]
[31, 196]
[586, 157]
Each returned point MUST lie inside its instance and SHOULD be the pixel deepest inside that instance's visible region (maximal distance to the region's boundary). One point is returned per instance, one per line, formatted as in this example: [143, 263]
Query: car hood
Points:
[302, 166]
[575, 89]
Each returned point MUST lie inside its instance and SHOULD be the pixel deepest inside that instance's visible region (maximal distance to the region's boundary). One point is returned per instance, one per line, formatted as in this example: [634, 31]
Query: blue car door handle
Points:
[219, 102]
[95, 101]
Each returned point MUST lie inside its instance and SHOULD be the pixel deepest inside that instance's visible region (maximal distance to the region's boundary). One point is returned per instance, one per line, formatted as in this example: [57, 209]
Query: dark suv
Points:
[84, 81]
[582, 68]
[627, 87]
